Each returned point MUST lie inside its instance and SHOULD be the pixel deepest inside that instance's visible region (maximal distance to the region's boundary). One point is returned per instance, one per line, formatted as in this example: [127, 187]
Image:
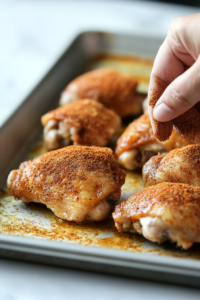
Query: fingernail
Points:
[163, 113]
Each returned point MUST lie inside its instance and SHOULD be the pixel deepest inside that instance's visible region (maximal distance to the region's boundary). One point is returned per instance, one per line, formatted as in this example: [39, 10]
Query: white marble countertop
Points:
[24, 281]
[32, 35]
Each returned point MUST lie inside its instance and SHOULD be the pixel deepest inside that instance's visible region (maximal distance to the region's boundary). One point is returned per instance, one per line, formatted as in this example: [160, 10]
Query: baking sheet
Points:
[36, 221]
[31, 231]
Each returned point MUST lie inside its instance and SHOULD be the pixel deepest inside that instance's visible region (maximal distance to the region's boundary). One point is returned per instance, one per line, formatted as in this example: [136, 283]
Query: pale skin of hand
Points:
[177, 65]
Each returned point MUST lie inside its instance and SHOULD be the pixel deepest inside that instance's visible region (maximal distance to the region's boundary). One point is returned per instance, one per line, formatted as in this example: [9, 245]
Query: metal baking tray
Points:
[30, 231]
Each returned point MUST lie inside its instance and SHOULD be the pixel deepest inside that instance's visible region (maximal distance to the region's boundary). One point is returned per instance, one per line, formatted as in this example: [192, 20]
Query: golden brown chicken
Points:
[115, 90]
[138, 144]
[161, 212]
[179, 165]
[77, 183]
[85, 122]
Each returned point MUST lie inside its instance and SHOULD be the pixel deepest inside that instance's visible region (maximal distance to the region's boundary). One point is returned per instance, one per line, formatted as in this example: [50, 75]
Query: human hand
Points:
[177, 67]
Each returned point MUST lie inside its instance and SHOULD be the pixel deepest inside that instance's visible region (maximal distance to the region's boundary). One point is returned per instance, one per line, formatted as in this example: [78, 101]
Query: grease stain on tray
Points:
[36, 221]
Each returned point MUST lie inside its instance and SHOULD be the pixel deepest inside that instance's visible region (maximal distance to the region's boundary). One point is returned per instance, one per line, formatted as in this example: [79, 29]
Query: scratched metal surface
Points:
[36, 221]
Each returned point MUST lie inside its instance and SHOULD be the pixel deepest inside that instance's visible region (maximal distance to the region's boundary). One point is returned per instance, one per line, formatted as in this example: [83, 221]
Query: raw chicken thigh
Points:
[180, 165]
[85, 122]
[161, 212]
[77, 183]
[137, 144]
[113, 89]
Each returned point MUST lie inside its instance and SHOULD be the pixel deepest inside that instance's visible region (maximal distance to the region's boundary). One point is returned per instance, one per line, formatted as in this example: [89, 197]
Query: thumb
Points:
[182, 94]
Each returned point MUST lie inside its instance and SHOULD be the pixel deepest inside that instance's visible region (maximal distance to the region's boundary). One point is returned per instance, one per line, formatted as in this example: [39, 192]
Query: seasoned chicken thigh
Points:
[85, 122]
[179, 165]
[138, 144]
[113, 89]
[161, 212]
[77, 183]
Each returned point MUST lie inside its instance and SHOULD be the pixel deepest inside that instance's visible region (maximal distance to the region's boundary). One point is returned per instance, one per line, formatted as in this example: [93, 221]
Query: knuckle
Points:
[174, 22]
[175, 26]
[178, 99]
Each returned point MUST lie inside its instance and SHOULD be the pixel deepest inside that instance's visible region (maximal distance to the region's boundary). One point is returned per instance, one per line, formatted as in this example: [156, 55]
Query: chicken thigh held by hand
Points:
[77, 183]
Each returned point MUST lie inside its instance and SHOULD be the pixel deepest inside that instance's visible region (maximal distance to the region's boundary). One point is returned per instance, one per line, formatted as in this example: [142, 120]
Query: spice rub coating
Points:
[164, 211]
[113, 89]
[77, 183]
[138, 133]
[179, 165]
[162, 130]
[85, 122]
[188, 124]
[138, 143]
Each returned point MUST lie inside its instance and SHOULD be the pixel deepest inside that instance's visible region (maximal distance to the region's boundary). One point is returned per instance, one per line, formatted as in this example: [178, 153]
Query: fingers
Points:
[182, 94]
[161, 130]
[166, 68]
[177, 67]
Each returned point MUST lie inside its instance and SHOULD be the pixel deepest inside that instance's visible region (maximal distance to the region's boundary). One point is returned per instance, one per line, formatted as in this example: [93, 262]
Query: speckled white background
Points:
[32, 35]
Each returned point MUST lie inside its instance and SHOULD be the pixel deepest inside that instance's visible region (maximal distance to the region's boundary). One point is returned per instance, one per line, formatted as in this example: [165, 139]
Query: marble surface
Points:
[34, 33]
[23, 281]
[32, 36]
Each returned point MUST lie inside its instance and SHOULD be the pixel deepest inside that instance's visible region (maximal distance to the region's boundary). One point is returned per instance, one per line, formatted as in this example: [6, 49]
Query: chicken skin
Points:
[161, 212]
[85, 122]
[179, 165]
[137, 144]
[77, 183]
[113, 89]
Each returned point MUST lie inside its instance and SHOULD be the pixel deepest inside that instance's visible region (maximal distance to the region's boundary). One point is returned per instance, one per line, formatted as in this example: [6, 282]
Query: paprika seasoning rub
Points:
[165, 211]
[187, 124]
[162, 130]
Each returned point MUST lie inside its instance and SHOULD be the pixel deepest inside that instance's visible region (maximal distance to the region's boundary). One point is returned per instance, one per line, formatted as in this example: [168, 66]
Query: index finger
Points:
[166, 68]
